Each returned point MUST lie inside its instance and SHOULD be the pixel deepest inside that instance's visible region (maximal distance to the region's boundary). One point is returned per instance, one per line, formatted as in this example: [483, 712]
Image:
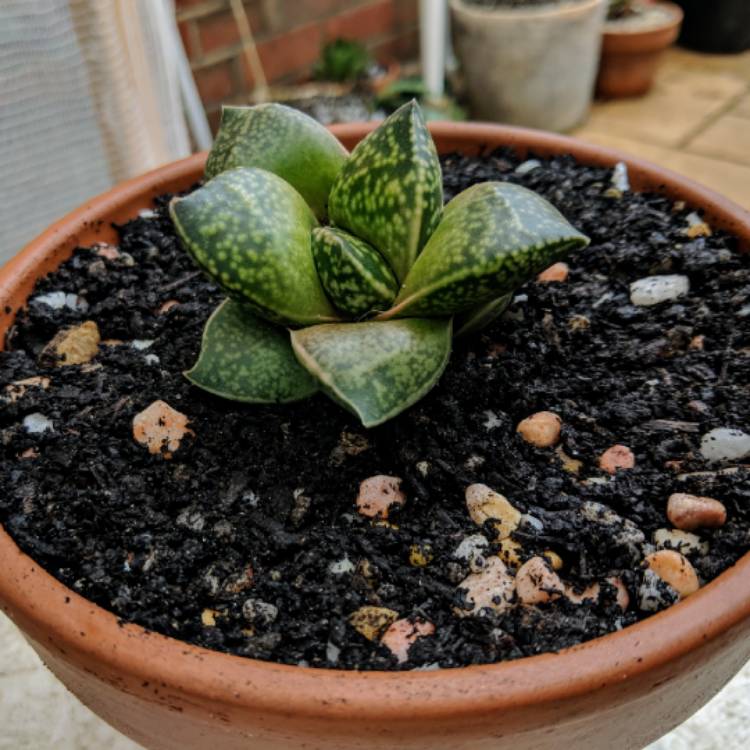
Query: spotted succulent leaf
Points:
[389, 192]
[492, 238]
[480, 316]
[281, 140]
[245, 358]
[354, 274]
[250, 231]
[376, 370]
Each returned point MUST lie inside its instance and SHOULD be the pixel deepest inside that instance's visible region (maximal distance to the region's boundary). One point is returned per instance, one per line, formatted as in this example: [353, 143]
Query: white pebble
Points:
[423, 467]
[654, 594]
[59, 300]
[472, 550]
[141, 344]
[725, 444]
[342, 567]
[259, 612]
[151, 359]
[37, 423]
[652, 290]
[528, 166]
[332, 652]
[491, 421]
[683, 542]
[147, 213]
[620, 177]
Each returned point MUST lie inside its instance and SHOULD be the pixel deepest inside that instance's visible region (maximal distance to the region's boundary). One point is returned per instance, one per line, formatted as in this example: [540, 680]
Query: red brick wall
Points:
[289, 35]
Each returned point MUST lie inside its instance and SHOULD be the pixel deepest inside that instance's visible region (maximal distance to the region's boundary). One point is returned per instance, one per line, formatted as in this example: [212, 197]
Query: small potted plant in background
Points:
[636, 34]
[529, 62]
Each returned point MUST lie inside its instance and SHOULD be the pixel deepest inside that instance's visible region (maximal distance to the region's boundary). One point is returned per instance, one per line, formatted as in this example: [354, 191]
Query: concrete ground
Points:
[696, 121]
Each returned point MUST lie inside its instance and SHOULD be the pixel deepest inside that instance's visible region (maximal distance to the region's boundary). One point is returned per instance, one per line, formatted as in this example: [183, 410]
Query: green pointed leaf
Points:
[492, 238]
[281, 140]
[250, 231]
[354, 274]
[390, 190]
[245, 358]
[376, 370]
[480, 316]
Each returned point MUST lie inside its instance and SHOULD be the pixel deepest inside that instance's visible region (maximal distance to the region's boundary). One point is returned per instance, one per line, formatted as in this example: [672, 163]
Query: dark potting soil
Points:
[259, 503]
[516, 3]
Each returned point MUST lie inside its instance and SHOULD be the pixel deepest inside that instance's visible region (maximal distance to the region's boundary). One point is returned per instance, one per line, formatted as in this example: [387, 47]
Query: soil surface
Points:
[517, 3]
[248, 539]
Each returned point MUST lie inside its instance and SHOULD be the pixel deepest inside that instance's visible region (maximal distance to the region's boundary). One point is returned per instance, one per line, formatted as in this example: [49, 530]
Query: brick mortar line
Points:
[684, 143]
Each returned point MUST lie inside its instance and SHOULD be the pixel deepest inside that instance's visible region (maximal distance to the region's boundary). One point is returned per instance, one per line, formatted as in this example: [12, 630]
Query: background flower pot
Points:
[620, 691]
[631, 55]
[530, 66]
[720, 26]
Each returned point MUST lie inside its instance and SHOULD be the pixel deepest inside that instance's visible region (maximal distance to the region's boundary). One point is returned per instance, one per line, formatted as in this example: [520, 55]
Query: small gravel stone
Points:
[490, 588]
[688, 512]
[75, 345]
[59, 300]
[616, 457]
[472, 550]
[485, 504]
[570, 464]
[528, 166]
[683, 542]
[541, 429]
[652, 290]
[537, 583]
[590, 594]
[402, 634]
[378, 494]
[159, 425]
[17, 389]
[725, 444]
[558, 272]
[510, 552]
[342, 567]
[420, 555]
[654, 594]
[110, 252]
[620, 177]
[141, 344]
[372, 622]
[674, 569]
[622, 530]
[258, 612]
[37, 423]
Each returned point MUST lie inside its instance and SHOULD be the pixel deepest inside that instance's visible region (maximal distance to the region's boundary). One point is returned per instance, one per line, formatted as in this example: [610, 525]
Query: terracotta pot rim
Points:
[611, 27]
[291, 690]
[553, 10]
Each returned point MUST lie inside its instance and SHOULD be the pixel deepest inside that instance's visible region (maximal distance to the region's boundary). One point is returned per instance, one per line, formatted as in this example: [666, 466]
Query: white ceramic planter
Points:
[535, 66]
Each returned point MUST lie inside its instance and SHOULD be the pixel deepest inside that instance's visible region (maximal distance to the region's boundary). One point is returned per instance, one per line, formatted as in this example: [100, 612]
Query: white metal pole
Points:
[433, 17]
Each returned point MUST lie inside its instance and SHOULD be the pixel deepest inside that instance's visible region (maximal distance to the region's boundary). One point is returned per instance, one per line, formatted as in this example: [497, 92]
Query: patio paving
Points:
[696, 121]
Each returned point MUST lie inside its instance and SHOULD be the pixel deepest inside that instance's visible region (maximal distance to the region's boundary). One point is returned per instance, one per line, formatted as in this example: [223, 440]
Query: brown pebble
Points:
[590, 594]
[159, 425]
[537, 583]
[509, 552]
[167, 306]
[208, 617]
[674, 569]
[688, 512]
[556, 272]
[402, 634]
[378, 494]
[75, 345]
[372, 622]
[484, 504]
[541, 429]
[616, 457]
[697, 343]
[29, 453]
[490, 588]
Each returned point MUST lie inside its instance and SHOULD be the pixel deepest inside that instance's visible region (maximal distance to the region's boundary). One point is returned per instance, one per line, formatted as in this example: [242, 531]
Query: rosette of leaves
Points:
[344, 272]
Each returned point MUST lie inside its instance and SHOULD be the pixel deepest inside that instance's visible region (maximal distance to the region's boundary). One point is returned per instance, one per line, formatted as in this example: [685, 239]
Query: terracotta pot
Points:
[620, 691]
[532, 66]
[630, 57]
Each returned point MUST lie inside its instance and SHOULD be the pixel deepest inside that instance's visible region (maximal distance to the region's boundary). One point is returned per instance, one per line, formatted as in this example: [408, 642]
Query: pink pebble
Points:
[377, 494]
[401, 635]
[616, 457]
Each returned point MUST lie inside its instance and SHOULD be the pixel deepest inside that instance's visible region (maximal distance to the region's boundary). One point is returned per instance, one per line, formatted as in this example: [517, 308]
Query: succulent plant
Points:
[344, 272]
